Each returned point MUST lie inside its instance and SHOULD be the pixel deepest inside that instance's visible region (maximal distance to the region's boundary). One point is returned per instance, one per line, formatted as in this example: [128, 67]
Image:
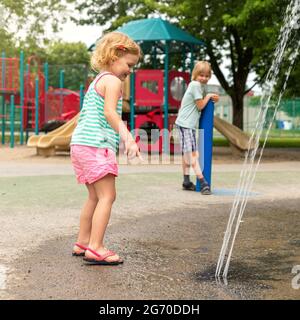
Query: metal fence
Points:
[287, 119]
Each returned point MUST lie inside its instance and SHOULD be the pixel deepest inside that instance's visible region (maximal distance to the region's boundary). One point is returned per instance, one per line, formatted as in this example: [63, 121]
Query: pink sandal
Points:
[100, 259]
[79, 254]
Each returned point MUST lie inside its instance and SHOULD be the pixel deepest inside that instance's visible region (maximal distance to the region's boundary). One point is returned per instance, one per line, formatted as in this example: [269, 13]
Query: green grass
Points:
[284, 142]
[272, 142]
[281, 142]
[276, 133]
[220, 142]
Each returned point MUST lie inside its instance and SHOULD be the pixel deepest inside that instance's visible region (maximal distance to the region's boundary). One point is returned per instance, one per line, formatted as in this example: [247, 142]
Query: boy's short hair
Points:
[201, 66]
[110, 46]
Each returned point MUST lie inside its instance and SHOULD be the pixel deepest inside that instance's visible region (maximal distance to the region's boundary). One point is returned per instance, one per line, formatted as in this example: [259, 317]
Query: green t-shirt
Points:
[92, 128]
[188, 114]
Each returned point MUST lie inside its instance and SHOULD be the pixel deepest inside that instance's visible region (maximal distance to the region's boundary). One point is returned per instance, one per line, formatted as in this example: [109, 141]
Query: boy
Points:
[194, 100]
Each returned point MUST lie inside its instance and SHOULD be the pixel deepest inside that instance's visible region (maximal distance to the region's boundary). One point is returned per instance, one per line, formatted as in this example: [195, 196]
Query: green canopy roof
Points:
[156, 29]
[149, 32]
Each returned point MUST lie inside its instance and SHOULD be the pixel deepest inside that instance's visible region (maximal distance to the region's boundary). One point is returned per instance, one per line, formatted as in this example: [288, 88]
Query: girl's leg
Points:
[86, 217]
[106, 193]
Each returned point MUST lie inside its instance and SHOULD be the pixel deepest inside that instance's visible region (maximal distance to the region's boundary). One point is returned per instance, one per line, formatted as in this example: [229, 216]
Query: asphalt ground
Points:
[170, 239]
[172, 256]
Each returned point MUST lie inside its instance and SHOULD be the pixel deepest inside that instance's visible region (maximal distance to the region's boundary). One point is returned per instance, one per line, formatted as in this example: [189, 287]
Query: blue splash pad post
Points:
[205, 142]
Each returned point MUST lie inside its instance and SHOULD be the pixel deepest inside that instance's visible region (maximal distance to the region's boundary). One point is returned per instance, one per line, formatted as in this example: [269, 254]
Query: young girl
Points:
[194, 100]
[95, 140]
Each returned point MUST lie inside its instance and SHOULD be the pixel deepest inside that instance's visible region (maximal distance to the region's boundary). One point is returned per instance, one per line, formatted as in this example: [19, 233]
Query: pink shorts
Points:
[91, 164]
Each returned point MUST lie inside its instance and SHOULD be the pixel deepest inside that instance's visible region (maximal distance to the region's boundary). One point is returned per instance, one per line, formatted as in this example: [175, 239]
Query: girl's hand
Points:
[132, 150]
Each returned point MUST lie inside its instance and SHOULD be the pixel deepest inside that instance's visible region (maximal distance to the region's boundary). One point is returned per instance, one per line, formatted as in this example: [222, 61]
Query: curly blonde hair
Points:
[111, 46]
[201, 66]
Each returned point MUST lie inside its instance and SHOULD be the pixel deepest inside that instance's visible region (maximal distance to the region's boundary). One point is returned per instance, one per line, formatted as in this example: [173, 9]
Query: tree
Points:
[7, 44]
[73, 58]
[26, 25]
[241, 32]
[110, 14]
[293, 85]
[31, 20]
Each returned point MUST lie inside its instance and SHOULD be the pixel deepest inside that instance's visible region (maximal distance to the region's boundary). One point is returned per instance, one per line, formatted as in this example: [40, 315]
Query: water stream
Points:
[283, 51]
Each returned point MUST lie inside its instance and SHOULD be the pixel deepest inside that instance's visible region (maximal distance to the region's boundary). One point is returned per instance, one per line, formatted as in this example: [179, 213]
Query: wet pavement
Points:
[173, 256]
[170, 239]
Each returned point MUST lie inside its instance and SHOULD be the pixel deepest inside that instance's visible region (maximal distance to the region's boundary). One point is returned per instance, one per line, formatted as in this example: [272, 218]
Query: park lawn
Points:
[272, 142]
[280, 142]
[283, 142]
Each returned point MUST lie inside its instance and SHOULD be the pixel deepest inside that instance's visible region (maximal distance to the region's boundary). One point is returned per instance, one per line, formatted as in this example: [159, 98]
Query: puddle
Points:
[244, 281]
[232, 192]
[245, 273]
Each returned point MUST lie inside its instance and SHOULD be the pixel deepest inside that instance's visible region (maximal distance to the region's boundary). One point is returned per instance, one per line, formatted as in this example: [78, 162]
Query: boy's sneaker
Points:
[205, 188]
[189, 186]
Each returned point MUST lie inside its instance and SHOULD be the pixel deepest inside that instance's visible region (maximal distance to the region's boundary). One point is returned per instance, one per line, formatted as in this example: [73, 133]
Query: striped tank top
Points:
[92, 128]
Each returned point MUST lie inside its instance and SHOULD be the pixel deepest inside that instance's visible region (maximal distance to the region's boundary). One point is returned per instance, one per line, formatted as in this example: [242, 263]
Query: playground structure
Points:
[152, 142]
[237, 138]
[56, 140]
[155, 95]
[26, 91]
[152, 103]
[152, 97]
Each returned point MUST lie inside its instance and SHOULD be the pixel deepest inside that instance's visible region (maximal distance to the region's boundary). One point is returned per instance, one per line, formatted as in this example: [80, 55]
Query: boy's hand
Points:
[214, 97]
